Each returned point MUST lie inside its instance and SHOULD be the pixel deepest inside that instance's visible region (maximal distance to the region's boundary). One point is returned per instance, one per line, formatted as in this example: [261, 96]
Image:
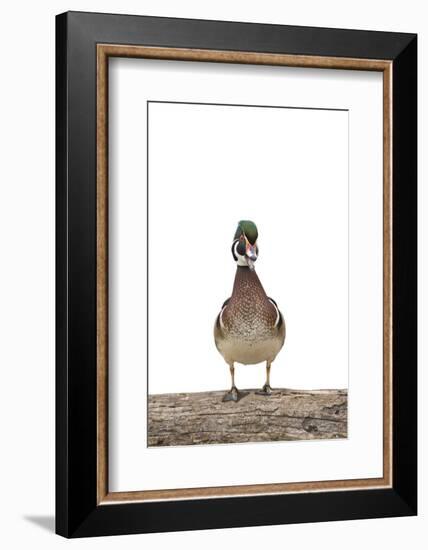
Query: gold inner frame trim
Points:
[104, 51]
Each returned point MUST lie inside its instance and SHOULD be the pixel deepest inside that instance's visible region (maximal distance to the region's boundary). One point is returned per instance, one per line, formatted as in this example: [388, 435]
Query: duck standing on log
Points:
[250, 328]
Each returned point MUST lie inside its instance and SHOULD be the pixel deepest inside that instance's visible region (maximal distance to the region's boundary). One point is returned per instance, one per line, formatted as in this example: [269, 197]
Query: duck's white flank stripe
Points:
[278, 315]
[221, 315]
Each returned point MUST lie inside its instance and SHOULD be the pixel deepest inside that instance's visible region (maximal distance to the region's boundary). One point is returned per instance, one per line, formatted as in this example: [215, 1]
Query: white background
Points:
[305, 203]
[229, 163]
[27, 275]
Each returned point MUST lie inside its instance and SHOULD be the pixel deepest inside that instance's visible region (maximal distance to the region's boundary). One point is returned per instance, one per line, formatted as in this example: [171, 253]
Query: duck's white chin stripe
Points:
[241, 261]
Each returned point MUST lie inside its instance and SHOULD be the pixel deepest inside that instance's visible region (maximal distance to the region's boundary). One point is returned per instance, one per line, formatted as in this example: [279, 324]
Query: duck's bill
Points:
[251, 255]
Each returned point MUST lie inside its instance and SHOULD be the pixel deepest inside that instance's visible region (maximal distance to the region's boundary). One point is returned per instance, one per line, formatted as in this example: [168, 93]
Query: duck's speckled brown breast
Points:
[249, 314]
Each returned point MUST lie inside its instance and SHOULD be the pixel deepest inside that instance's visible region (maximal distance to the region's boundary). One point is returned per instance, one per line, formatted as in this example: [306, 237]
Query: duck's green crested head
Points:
[249, 229]
[244, 246]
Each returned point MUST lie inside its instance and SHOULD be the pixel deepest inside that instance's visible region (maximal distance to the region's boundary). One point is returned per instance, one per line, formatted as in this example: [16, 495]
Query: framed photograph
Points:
[236, 274]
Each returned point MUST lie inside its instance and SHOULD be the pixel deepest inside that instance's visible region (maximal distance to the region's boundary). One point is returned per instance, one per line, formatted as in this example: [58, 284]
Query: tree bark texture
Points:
[285, 415]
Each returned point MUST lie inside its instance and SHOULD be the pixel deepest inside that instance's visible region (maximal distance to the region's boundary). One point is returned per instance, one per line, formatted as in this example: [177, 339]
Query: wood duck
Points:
[250, 328]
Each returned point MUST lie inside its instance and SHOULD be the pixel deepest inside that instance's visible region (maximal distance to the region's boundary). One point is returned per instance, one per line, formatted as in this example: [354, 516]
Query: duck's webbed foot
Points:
[266, 390]
[234, 395]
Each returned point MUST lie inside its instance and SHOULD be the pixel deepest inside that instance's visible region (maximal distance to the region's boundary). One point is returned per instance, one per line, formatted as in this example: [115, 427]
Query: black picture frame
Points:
[77, 511]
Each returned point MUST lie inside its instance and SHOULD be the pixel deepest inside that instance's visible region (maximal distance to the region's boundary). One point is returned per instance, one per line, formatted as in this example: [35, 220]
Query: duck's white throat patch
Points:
[242, 260]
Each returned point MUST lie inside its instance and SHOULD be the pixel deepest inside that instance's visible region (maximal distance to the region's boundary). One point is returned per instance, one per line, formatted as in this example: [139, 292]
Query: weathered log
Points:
[201, 418]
